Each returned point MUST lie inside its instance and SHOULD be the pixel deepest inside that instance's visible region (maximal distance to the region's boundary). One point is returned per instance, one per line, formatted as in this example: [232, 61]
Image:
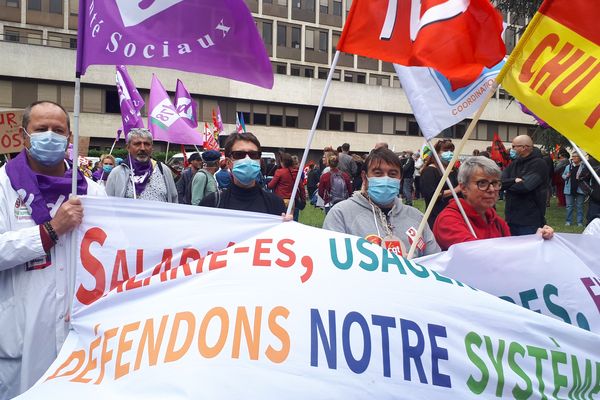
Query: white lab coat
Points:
[32, 301]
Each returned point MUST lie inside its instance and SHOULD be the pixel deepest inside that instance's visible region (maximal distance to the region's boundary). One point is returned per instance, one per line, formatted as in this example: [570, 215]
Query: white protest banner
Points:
[558, 277]
[11, 141]
[120, 238]
[435, 105]
[303, 313]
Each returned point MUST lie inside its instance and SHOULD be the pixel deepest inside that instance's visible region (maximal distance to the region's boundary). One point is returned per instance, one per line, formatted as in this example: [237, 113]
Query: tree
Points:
[519, 9]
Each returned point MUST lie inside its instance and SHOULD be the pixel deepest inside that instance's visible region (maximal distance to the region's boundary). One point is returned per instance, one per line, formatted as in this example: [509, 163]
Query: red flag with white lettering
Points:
[456, 37]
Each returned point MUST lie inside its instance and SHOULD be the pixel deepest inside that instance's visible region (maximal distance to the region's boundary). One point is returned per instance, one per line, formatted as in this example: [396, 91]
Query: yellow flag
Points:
[555, 70]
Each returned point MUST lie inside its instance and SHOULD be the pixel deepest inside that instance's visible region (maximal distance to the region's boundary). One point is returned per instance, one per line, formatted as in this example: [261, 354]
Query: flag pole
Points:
[449, 183]
[167, 152]
[312, 131]
[442, 181]
[72, 265]
[585, 161]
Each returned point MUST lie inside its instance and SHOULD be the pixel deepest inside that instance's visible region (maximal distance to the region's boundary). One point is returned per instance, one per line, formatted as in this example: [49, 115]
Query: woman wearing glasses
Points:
[480, 182]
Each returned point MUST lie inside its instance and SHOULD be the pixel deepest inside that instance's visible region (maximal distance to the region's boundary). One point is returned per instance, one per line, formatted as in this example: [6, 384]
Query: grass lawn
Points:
[555, 215]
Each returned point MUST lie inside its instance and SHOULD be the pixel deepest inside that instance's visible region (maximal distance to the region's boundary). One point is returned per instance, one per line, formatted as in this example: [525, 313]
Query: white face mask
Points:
[48, 148]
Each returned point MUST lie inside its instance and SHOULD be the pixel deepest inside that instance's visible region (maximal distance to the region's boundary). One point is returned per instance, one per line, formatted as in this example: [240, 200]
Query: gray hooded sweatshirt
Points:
[355, 216]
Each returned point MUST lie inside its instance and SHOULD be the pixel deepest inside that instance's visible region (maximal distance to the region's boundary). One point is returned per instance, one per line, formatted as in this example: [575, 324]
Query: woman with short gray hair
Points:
[480, 182]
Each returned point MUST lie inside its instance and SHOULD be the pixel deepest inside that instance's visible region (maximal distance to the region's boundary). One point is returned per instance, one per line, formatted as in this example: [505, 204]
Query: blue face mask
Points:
[383, 190]
[107, 168]
[513, 154]
[246, 170]
[447, 156]
[47, 148]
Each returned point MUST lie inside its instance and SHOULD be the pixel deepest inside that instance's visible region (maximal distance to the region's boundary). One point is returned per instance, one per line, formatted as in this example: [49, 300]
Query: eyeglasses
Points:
[485, 185]
[239, 154]
[514, 146]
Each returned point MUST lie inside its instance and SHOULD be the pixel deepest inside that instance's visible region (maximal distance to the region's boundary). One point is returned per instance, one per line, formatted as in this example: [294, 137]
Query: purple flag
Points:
[163, 120]
[186, 106]
[130, 101]
[205, 36]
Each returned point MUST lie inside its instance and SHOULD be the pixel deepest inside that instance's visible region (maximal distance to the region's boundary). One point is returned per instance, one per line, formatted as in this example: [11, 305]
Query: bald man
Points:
[524, 181]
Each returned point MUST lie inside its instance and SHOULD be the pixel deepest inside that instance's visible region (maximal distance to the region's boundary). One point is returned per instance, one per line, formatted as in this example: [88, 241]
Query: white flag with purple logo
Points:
[185, 105]
[203, 36]
[164, 121]
[435, 105]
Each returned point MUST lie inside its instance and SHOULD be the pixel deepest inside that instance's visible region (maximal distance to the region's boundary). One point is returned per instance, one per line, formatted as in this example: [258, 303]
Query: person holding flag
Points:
[139, 176]
[480, 182]
[36, 215]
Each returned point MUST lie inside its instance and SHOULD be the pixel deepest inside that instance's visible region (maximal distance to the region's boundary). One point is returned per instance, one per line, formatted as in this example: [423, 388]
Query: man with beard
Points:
[139, 176]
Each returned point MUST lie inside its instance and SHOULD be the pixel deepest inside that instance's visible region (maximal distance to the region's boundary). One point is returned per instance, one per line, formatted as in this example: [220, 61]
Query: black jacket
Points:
[253, 199]
[526, 200]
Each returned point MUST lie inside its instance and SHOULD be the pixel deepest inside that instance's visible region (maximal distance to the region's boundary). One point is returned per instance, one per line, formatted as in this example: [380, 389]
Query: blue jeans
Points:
[576, 199]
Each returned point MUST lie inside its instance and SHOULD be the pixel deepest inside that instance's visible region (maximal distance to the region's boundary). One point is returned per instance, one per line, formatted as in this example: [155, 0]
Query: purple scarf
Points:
[41, 192]
[141, 173]
[100, 175]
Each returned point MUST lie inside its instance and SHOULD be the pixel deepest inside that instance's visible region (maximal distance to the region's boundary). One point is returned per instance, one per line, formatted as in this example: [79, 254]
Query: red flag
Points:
[210, 143]
[456, 37]
[185, 157]
[499, 153]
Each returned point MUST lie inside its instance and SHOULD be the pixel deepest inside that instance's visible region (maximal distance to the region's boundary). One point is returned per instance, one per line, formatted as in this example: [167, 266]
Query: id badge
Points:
[394, 245]
[39, 263]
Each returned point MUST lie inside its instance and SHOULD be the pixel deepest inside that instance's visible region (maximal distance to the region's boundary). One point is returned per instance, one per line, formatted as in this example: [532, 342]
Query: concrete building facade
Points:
[365, 105]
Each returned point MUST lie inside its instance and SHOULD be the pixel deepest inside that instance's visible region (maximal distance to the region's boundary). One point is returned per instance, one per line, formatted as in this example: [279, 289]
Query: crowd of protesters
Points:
[367, 195]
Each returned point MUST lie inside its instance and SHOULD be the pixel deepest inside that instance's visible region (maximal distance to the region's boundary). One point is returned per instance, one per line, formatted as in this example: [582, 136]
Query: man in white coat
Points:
[35, 215]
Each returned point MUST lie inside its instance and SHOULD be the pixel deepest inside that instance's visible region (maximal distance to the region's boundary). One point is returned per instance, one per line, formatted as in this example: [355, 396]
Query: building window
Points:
[35, 5]
[309, 72]
[12, 36]
[267, 32]
[296, 37]
[309, 5]
[361, 78]
[275, 120]
[335, 122]
[323, 39]
[268, 1]
[73, 7]
[310, 39]
[291, 121]
[337, 8]
[324, 6]
[323, 73]
[12, 3]
[56, 6]
[72, 43]
[348, 77]
[349, 126]
[385, 81]
[246, 116]
[281, 69]
[413, 128]
[260, 119]
[282, 2]
[294, 71]
[281, 34]
[111, 99]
